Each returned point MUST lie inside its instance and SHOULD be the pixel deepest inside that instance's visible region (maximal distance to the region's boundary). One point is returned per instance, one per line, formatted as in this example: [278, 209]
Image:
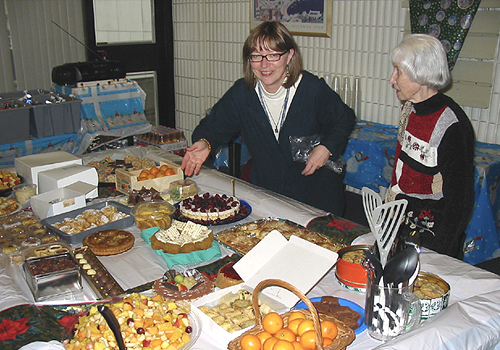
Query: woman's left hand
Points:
[317, 159]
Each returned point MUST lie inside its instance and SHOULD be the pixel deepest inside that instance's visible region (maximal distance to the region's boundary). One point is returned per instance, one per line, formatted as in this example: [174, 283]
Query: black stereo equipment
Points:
[73, 73]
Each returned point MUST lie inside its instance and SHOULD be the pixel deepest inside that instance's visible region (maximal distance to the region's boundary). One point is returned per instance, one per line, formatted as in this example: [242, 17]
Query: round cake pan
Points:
[349, 274]
[432, 305]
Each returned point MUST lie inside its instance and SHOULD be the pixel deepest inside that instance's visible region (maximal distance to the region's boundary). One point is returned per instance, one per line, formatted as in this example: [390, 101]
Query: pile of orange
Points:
[155, 173]
[299, 334]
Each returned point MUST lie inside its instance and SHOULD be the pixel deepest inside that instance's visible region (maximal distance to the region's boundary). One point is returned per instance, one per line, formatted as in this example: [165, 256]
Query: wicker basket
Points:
[344, 337]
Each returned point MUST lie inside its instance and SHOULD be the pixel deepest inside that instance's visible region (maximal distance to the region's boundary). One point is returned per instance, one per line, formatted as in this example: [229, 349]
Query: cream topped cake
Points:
[182, 237]
[209, 208]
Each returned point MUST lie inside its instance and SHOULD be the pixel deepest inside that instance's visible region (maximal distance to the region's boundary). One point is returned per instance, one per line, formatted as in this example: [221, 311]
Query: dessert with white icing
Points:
[182, 237]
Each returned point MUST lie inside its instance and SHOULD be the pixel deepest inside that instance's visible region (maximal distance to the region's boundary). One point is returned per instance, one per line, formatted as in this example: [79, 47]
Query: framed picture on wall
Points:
[301, 17]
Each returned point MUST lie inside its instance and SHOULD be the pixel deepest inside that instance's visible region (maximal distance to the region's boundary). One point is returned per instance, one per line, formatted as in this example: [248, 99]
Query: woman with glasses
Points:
[275, 100]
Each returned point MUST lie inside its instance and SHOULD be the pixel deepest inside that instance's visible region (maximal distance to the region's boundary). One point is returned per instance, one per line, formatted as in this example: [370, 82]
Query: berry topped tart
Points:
[188, 285]
[211, 209]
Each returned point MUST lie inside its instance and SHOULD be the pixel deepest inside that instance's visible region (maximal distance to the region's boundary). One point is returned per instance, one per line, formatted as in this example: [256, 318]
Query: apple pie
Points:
[109, 242]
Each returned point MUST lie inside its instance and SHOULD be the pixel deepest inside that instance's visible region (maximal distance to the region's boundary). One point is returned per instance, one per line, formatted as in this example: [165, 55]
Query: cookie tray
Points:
[77, 239]
[240, 226]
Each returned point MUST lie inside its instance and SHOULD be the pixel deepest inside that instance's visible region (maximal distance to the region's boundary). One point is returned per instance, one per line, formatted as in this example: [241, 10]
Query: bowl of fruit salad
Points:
[8, 180]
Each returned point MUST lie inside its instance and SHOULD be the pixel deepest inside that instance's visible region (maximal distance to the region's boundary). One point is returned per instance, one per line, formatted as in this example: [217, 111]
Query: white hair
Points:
[423, 59]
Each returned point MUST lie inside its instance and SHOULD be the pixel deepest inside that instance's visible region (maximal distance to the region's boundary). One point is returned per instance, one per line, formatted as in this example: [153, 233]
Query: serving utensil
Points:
[113, 324]
[386, 219]
[401, 266]
[371, 200]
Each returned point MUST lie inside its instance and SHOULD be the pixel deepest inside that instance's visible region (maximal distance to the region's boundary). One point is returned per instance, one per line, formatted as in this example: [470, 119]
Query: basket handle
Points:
[280, 283]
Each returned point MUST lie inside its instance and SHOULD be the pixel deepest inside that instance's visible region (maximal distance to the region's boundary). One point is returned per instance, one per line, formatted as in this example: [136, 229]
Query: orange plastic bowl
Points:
[351, 274]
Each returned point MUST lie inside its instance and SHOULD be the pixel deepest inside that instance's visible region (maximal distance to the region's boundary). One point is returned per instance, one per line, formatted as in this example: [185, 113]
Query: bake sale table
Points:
[471, 321]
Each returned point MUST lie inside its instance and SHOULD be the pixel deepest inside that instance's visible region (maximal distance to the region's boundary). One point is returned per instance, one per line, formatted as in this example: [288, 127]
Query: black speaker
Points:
[73, 73]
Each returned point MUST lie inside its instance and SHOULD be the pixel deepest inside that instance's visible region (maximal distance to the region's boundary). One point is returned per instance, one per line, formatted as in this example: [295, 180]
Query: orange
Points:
[142, 178]
[304, 326]
[272, 322]
[297, 346]
[327, 341]
[308, 340]
[328, 329]
[294, 324]
[154, 170]
[163, 167]
[170, 171]
[269, 343]
[283, 345]
[151, 176]
[160, 174]
[296, 314]
[263, 336]
[250, 342]
[285, 334]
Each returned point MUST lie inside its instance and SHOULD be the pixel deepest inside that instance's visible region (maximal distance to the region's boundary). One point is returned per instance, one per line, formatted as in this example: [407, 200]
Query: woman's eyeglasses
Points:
[272, 57]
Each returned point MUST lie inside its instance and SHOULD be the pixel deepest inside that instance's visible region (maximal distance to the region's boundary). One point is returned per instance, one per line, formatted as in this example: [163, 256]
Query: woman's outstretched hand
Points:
[195, 157]
[317, 159]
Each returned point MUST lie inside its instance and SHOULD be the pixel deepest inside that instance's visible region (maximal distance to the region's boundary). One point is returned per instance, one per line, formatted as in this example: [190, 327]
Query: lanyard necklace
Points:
[282, 117]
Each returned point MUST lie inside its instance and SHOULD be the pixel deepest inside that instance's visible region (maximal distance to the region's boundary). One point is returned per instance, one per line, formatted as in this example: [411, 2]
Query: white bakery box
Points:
[273, 257]
[53, 179]
[61, 200]
[29, 166]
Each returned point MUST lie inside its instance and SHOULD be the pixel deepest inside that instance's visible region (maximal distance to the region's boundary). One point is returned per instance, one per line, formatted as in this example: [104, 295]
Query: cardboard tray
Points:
[77, 239]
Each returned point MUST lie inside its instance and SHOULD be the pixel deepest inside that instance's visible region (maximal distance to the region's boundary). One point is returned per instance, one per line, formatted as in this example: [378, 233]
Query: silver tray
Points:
[77, 239]
[326, 242]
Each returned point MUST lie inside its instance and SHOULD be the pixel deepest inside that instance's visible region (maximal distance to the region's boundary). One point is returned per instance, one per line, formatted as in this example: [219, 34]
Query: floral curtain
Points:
[447, 20]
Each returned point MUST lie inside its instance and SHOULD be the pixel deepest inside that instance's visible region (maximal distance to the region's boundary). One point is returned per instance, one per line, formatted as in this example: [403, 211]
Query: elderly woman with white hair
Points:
[433, 166]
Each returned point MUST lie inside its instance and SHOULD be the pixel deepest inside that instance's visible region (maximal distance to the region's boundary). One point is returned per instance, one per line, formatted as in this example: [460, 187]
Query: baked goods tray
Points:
[76, 239]
[98, 277]
[241, 238]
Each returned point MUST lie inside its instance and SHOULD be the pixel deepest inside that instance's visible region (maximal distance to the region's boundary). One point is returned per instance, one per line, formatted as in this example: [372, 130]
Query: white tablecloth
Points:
[471, 321]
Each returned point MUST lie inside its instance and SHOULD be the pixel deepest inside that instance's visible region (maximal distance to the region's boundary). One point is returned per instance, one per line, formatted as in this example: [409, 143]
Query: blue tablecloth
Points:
[370, 160]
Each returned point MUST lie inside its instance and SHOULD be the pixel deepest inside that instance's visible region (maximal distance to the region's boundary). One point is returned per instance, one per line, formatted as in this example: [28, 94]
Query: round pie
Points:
[109, 242]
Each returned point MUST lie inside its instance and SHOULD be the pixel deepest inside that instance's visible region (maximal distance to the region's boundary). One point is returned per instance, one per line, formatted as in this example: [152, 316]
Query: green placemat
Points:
[183, 258]
[338, 229]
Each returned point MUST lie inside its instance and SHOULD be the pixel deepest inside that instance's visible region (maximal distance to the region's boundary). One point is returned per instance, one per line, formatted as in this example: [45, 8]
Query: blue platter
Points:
[342, 302]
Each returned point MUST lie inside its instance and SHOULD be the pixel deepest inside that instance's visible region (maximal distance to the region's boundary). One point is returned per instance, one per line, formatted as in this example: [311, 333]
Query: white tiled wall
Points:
[209, 36]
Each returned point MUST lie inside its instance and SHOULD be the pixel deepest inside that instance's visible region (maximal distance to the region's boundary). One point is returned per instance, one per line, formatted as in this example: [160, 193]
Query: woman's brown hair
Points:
[271, 35]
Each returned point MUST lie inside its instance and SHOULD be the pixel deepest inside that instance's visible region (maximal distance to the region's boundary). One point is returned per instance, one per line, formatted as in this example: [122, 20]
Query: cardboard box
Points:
[216, 332]
[61, 200]
[49, 180]
[29, 166]
[126, 181]
[273, 257]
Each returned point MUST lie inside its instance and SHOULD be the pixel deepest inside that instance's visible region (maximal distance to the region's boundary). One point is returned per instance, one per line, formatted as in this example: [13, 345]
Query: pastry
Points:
[244, 237]
[182, 237]
[171, 291]
[109, 242]
[207, 208]
[90, 218]
[227, 276]
[329, 305]
[7, 205]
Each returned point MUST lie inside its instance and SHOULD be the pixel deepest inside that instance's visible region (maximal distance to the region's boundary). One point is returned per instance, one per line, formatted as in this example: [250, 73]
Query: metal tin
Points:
[351, 275]
[60, 281]
[76, 239]
[432, 306]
